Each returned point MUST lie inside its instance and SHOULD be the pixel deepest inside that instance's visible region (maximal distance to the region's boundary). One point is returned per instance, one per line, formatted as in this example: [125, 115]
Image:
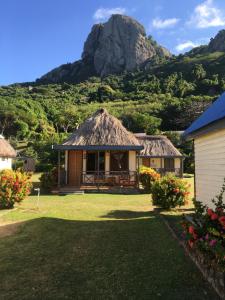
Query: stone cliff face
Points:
[116, 46]
[218, 42]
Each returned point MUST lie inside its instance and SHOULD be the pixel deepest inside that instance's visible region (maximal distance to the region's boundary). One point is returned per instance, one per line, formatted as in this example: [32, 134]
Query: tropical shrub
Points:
[170, 191]
[147, 176]
[49, 179]
[206, 230]
[14, 187]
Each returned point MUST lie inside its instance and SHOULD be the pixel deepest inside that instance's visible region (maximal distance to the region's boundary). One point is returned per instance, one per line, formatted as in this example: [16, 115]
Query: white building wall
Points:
[5, 163]
[209, 165]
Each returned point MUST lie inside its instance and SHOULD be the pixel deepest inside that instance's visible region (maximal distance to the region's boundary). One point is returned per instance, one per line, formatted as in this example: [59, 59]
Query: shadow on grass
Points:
[128, 214]
[135, 258]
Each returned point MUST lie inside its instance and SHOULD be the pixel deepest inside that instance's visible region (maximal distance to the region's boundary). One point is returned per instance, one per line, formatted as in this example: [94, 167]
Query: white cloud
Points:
[161, 24]
[207, 15]
[186, 45]
[105, 13]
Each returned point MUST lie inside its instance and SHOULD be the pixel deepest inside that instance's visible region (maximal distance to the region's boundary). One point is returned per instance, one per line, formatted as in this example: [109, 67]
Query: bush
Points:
[147, 176]
[49, 179]
[169, 192]
[14, 187]
[206, 232]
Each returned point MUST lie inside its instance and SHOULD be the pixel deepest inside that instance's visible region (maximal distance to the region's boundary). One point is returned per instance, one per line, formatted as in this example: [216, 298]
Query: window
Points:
[169, 164]
[95, 161]
[119, 161]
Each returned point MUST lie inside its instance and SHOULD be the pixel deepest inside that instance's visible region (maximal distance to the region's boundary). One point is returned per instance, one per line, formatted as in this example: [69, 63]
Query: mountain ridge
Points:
[113, 47]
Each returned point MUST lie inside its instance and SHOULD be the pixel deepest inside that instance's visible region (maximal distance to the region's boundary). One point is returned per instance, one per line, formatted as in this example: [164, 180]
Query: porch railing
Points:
[111, 178]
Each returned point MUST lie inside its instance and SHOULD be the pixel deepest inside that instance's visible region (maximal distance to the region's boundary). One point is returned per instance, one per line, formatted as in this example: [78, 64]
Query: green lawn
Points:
[94, 246]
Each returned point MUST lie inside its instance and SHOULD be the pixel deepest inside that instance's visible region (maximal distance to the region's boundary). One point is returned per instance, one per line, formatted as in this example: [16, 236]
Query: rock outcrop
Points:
[116, 46]
[218, 42]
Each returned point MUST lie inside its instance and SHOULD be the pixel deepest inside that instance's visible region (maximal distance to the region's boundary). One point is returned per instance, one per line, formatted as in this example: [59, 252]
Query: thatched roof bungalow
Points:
[7, 153]
[100, 151]
[159, 153]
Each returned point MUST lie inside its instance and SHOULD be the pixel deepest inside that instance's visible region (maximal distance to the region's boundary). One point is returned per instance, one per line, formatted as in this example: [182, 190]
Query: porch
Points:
[164, 165]
[97, 170]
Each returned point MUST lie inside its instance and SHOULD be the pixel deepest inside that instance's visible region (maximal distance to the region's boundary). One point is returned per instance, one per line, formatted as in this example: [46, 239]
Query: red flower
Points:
[214, 217]
[191, 229]
[222, 220]
[209, 211]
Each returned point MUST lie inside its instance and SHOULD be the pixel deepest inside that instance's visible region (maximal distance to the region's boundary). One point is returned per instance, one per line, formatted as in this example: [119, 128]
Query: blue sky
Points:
[38, 35]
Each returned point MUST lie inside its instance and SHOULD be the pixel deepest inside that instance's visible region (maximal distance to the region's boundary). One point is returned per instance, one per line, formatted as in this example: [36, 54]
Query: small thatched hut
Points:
[7, 153]
[100, 151]
[160, 154]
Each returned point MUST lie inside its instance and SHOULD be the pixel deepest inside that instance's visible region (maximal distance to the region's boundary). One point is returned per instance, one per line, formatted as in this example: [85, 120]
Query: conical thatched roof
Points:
[101, 131]
[157, 146]
[6, 150]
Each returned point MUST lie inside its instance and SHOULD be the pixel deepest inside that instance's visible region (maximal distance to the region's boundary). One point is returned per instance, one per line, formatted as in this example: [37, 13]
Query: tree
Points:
[198, 71]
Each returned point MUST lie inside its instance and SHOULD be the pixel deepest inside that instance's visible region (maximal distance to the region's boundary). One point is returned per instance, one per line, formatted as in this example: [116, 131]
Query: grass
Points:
[94, 246]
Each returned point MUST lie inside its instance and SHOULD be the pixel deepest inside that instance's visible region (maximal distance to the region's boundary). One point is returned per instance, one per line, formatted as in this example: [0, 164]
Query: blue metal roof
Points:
[214, 113]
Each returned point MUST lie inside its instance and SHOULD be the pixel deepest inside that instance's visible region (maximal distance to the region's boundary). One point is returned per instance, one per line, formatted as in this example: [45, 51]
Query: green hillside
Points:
[168, 96]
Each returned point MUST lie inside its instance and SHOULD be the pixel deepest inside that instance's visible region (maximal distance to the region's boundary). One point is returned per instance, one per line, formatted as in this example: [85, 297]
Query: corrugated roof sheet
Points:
[214, 113]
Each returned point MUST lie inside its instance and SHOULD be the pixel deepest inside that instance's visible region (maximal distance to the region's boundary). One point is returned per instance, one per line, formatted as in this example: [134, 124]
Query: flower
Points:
[191, 229]
[214, 217]
[212, 243]
[222, 220]
[209, 211]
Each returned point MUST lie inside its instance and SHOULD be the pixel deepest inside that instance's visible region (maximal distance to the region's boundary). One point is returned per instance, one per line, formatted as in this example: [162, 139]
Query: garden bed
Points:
[210, 270]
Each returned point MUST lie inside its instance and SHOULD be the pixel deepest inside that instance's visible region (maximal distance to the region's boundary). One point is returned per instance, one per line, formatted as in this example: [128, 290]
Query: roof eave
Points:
[97, 147]
[161, 156]
[214, 126]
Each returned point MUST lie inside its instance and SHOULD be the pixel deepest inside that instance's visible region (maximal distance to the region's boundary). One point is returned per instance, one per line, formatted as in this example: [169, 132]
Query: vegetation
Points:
[94, 246]
[207, 232]
[170, 192]
[165, 97]
[49, 179]
[14, 187]
[147, 177]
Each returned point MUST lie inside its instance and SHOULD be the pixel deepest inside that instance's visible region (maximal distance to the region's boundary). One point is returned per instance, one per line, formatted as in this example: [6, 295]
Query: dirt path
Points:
[7, 229]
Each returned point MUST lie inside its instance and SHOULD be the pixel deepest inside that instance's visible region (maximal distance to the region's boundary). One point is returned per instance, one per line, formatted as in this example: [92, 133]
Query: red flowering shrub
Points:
[147, 176]
[207, 230]
[14, 187]
[169, 192]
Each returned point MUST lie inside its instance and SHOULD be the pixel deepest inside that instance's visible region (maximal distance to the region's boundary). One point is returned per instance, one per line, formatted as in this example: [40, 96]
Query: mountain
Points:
[216, 44]
[114, 47]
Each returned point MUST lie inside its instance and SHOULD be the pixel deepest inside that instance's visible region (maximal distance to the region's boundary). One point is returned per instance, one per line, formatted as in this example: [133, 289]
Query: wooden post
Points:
[181, 167]
[59, 163]
[138, 169]
[98, 170]
[161, 166]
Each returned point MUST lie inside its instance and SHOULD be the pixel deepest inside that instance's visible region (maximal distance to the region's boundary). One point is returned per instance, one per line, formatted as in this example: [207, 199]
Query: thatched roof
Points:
[101, 131]
[157, 146]
[6, 150]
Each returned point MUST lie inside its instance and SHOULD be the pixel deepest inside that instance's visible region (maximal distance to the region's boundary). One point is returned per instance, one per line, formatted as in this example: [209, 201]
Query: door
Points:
[169, 164]
[75, 162]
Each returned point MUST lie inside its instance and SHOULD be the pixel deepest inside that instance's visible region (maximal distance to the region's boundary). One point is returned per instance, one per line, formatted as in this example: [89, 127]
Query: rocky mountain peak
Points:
[113, 47]
[218, 42]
